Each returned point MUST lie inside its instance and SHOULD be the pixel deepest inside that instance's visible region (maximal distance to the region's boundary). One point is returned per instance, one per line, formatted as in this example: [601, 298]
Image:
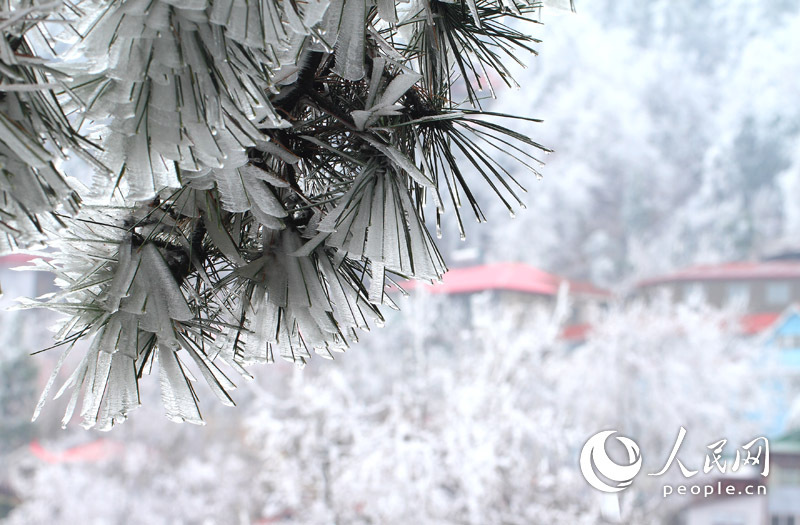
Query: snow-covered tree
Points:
[683, 151]
[34, 131]
[483, 427]
[262, 169]
[489, 429]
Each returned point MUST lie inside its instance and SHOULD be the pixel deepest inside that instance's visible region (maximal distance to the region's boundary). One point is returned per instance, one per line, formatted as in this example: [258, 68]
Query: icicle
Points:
[377, 284]
[350, 44]
[176, 392]
[162, 284]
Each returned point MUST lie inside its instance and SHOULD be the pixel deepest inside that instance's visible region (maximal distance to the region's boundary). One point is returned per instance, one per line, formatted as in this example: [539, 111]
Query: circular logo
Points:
[595, 460]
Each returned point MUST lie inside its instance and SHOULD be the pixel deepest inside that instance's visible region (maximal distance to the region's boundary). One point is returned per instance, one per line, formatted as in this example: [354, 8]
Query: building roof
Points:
[576, 333]
[751, 324]
[508, 276]
[788, 443]
[15, 259]
[729, 272]
[91, 452]
[786, 322]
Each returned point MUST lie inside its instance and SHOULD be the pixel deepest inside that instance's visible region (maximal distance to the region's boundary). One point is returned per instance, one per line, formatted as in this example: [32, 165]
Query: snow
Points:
[676, 145]
[477, 425]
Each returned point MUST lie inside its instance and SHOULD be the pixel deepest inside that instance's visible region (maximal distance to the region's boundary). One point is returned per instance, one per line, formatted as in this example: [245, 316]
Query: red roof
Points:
[755, 323]
[730, 272]
[576, 332]
[90, 452]
[749, 324]
[15, 259]
[515, 277]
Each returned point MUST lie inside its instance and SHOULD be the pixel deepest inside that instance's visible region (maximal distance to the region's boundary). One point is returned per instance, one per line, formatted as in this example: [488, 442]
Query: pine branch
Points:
[264, 181]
